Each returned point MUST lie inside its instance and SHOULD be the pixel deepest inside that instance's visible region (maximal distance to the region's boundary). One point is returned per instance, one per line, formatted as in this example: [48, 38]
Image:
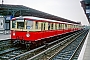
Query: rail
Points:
[68, 52]
[78, 46]
[48, 50]
[29, 52]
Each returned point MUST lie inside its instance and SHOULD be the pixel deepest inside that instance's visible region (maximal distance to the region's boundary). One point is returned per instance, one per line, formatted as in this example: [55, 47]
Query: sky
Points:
[68, 9]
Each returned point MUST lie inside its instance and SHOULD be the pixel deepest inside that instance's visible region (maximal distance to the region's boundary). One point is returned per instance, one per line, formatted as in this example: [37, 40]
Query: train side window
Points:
[13, 23]
[51, 26]
[65, 26]
[77, 26]
[48, 26]
[20, 24]
[59, 26]
[36, 25]
[71, 26]
[29, 24]
[62, 26]
[44, 25]
[68, 26]
[55, 26]
[74, 26]
[41, 26]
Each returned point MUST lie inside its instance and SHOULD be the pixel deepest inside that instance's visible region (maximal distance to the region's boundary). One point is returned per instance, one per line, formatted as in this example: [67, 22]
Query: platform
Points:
[4, 36]
[85, 52]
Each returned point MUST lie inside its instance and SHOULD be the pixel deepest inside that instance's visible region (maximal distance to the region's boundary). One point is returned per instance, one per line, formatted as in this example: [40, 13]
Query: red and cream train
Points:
[29, 30]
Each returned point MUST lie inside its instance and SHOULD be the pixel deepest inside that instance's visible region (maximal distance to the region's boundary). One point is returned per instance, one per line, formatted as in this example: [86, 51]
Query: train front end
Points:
[20, 33]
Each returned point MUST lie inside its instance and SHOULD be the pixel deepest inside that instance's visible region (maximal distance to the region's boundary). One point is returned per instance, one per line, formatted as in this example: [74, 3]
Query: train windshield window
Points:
[20, 24]
[13, 23]
[29, 24]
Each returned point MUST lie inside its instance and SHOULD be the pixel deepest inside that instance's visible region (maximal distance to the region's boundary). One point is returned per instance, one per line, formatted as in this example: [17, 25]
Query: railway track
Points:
[10, 53]
[50, 52]
[77, 52]
[23, 54]
[78, 49]
[5, 44]
[34, 52]
[72, 51]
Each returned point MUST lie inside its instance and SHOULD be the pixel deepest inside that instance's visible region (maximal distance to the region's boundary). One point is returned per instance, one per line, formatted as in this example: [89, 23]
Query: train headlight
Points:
[27, 35]
[13, 33]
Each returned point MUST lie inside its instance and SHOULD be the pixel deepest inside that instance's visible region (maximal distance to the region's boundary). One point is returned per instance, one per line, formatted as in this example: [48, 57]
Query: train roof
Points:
[26, 11]
[39, 19]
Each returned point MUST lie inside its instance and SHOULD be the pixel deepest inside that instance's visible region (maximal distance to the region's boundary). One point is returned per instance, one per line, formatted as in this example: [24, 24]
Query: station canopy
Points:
[20, 10]
[87, 1]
